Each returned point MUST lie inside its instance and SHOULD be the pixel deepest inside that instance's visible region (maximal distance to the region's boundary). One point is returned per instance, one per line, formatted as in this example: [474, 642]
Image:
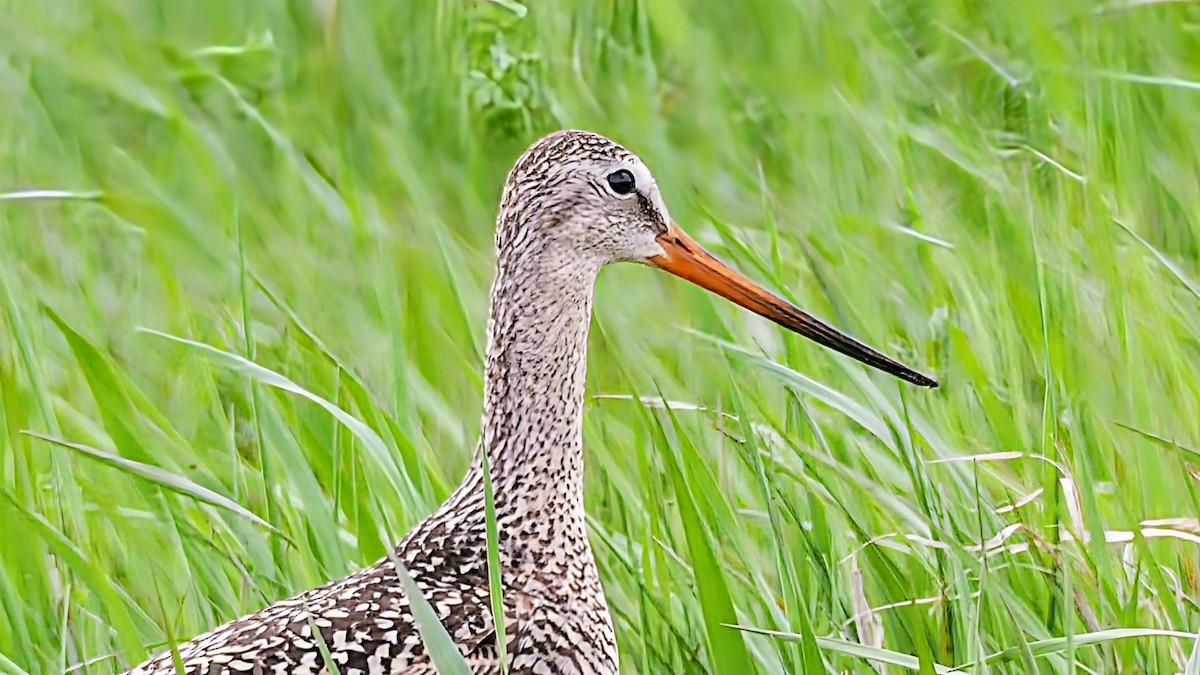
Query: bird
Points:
[573, 203]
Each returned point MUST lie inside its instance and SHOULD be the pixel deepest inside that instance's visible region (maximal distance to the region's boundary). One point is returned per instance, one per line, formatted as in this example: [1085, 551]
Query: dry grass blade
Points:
[1058, 645]
[906, 661]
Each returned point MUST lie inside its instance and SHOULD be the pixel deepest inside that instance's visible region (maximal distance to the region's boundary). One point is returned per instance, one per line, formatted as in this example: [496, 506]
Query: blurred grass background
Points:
[1002, 192]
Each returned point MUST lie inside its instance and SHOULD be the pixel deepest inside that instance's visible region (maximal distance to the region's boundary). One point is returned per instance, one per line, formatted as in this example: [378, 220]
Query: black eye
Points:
[621, 181]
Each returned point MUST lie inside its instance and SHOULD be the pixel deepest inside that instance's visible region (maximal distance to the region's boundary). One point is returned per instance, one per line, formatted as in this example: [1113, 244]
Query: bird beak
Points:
[684, 258]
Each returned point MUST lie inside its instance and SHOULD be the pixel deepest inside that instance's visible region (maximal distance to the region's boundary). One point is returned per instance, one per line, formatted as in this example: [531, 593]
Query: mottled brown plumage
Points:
[574, 202]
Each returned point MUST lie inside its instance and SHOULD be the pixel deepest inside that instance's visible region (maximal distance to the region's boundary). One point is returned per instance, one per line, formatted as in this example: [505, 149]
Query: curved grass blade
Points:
[868, 419]
[7, 667]
[415, 461]
[1162, 258]
[400, 483]
[1159, 440]
[906, 661]
[165, 479]
[116, 410]
[1061, 644]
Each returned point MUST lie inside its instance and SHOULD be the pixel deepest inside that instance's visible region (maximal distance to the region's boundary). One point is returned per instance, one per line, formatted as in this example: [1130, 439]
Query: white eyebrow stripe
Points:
[642, 176]
[648, 187]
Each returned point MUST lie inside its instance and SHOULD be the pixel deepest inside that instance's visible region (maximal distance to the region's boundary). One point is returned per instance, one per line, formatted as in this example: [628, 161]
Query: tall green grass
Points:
[244, 255]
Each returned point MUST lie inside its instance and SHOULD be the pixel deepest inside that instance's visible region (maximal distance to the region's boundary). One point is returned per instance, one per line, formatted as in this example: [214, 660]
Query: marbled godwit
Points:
[574, 202]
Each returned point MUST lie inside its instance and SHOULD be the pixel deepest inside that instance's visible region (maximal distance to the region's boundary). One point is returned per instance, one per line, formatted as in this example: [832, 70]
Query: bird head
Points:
[576, 195]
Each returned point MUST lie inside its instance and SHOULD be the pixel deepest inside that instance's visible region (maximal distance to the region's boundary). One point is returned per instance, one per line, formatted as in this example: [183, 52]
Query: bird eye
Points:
[621, 181]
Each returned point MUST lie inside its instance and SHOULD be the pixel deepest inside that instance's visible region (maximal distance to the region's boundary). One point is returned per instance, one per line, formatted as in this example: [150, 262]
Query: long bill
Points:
[686, 259]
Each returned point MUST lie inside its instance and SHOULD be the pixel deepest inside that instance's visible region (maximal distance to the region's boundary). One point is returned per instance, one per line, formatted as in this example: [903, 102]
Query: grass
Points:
[244, 257]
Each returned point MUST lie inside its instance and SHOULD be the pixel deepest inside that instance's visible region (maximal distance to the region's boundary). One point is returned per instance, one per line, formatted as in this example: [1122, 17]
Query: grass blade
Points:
[495, 571]
[1160, 441]
[1061, 644]
[726, 649]
[160, 477]
[1162, 258]
[444, 654]
[906, 661]
[365, 434]
[7, 667]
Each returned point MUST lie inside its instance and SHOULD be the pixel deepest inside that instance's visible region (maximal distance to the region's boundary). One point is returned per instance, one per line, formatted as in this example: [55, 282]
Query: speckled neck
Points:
[534, 383]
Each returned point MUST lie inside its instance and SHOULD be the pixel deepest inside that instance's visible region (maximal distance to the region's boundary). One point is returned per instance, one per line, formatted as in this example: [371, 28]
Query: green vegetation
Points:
[302, 194]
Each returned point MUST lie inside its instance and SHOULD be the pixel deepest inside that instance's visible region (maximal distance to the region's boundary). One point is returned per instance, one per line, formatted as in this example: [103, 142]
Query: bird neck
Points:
[541, 310]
